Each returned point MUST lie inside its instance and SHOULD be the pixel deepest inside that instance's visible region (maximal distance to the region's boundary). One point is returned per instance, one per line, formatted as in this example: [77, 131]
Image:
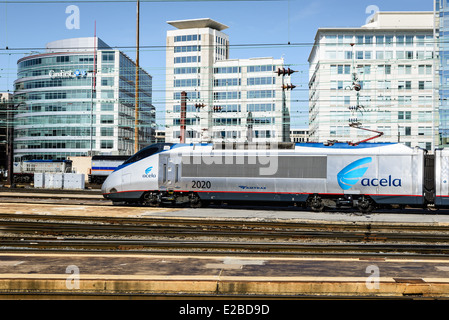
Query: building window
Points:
[63, 59]
[368, 40]
[261, 68]
[186, 70]
[108, 56]
[409, 40]
[107, 107]
[404, 69]
[187, 59]
[109, 81]
[404, 115]
[107, 119]
[186, 83]
[228, 70]
[108, 94]
[227, 82]
[187, 49]
[107, 132]
[260, 81]
[190, 37]
[380, 40]
[389, 41]
[107, 144]
[261, 94]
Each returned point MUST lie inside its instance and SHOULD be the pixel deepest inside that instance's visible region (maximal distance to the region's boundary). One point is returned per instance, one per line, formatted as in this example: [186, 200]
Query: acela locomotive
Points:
[366, 176]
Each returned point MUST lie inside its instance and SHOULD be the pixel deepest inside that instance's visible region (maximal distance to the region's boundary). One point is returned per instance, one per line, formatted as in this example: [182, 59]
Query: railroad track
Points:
[37, 232]
[219, 247]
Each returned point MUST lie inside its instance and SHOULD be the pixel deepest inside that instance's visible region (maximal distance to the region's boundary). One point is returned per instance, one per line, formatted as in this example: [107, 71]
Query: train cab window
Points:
[143, 154]
[148, 151]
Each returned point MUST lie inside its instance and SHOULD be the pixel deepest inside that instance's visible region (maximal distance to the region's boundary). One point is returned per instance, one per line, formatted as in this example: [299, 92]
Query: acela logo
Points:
[148, 170]
[148, 173]
[352, 173]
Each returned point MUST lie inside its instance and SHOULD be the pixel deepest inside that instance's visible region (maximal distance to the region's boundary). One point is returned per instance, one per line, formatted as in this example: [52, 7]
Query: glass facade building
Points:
[77, 99]
[441, 36]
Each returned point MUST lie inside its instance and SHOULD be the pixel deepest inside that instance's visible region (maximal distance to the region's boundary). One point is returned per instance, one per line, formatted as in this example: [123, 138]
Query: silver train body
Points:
[366, 176]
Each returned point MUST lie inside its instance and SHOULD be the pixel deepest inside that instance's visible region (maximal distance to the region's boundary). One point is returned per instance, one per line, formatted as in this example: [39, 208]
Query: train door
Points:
[170, 172]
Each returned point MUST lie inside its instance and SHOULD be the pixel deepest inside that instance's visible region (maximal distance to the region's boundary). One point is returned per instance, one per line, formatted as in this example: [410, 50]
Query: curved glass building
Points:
[78, 99]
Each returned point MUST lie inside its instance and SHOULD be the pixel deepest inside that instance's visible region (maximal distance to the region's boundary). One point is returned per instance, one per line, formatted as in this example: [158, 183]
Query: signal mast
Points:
[353, 121]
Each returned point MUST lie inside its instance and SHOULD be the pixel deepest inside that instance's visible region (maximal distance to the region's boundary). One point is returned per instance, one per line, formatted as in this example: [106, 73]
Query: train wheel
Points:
[151, 199]
[316, 204]
[365, 205]
[195, 201]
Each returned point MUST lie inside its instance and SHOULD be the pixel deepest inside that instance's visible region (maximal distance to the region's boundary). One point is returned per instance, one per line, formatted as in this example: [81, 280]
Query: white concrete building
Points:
[234, 100]
[393, 58]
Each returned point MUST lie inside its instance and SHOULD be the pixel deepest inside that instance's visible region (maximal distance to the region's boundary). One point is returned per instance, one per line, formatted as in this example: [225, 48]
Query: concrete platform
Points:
[177, 276]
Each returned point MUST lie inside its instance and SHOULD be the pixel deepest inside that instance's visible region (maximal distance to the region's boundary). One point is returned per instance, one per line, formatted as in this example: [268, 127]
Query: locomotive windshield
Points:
[146, 152]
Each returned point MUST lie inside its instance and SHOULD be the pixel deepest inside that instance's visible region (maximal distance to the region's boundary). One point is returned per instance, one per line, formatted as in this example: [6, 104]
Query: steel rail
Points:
[225, 247]
[216, 230]
[240, 223]
[172, 239]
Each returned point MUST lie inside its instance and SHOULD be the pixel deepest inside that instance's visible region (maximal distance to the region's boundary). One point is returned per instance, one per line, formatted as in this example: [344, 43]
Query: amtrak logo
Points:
[352, 173]
[252, 188]
[148, 173]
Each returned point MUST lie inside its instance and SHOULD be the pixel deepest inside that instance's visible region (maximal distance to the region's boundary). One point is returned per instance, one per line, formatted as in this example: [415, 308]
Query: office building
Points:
[77, 99]
[393, 59]
[228, 100]
[442, 75]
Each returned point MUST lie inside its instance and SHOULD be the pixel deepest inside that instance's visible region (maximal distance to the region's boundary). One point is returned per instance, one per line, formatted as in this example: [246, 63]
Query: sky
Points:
[256, 29]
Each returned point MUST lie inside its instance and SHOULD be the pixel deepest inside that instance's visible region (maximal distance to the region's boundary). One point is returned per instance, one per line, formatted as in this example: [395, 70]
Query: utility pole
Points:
[183, 116]
[136, 108]
[10, 107]
[249, 127]
[94, 88]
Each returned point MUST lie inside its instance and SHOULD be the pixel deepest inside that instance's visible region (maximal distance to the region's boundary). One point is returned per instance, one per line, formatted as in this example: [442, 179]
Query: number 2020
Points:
[201, 184]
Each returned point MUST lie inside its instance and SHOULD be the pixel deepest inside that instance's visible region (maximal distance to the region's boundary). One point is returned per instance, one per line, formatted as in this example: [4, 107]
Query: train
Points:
[24, 170]
[103, 165]
[364, 177]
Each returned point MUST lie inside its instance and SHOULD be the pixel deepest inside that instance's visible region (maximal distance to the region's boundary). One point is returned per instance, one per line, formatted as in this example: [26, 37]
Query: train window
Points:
[148, 151]
[142, 154]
